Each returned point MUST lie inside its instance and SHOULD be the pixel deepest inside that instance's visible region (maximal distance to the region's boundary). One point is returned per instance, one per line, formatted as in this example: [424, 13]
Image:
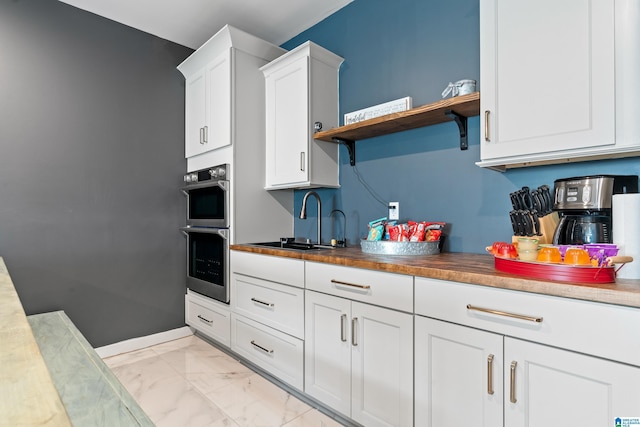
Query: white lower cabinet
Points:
[267, 320]
[518, 359]
[208, 317]
[545, 386]
[359, 359]
[458, 375]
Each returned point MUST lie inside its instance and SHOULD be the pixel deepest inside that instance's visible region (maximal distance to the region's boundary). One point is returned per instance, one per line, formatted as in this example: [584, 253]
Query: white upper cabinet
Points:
[208, 106]
[301, 89]
[556, 79]
[214, 97]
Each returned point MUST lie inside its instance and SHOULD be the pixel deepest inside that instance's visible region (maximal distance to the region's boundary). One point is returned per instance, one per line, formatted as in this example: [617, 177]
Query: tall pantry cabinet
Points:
[224, 124]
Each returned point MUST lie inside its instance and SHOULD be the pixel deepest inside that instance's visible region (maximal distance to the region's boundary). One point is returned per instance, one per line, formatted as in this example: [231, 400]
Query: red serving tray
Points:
[557, 272]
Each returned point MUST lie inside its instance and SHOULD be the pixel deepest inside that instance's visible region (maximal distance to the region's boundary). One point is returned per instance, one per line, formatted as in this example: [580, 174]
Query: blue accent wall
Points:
[415, 48]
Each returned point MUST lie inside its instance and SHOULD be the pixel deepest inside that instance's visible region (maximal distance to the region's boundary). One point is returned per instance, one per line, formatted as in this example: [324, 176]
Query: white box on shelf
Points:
[395, 106]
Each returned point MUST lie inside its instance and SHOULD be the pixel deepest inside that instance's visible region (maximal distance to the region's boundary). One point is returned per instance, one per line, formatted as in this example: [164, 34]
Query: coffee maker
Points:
[584, 207]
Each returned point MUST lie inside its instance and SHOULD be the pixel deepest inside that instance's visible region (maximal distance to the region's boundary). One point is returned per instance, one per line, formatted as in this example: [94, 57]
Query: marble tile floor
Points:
[190, 383]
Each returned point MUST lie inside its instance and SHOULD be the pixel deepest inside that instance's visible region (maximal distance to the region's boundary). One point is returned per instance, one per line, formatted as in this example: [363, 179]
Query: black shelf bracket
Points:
[461, 121]
[351, 148]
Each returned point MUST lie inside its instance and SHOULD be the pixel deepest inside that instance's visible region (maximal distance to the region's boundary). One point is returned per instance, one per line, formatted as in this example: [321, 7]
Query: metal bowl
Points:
[388, 247]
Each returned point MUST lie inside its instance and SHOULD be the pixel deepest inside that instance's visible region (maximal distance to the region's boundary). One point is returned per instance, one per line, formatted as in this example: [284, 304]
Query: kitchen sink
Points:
[287, 244]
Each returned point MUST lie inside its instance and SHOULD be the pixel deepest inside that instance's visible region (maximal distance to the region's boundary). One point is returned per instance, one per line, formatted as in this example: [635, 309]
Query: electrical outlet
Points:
[394, 211]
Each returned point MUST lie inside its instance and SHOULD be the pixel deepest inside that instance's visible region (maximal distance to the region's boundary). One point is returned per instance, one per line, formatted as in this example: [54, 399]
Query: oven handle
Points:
[222, 232]
[222, 183]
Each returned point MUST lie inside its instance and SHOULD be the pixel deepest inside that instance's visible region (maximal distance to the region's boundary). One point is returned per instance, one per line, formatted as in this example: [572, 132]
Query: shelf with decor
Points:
[452, 109]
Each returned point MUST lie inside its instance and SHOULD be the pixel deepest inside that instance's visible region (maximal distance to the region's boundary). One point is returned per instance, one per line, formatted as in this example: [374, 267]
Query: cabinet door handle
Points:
[259, 347]
[266, 304]
[512, 391]
[205, 320]
[354, 285]
[486, 126]
[201, 135]
[490, 374]
[354, 329]
[343, 328]
[505, 313]
[206, 134]
[302, 165]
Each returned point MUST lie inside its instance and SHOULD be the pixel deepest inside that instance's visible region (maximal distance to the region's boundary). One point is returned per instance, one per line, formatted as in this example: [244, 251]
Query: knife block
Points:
[548, 225]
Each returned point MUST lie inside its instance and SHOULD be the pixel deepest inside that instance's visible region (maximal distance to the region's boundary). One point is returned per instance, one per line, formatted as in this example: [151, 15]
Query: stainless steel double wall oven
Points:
[207, 231]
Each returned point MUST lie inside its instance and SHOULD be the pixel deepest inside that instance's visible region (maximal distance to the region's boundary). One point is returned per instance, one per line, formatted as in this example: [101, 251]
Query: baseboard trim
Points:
[139, 343]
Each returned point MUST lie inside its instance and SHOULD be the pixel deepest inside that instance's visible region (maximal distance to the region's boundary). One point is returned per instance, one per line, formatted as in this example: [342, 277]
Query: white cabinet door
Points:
[208, 107]
[382, 366]
[547, 77]
[553, 387]
[219, 101]
[359, 359]
[458, 375]
[195, 113]
[327, 352]
[301, 88]
[287, 109]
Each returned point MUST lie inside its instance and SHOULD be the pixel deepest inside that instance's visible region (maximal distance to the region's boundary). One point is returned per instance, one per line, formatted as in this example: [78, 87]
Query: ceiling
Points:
[192, 22]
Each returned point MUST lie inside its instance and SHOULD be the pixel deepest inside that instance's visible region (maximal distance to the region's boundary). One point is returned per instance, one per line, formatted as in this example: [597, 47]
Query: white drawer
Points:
[275, 305]
[280, 354]
[374, 287]
[208, 317]
[276, 269]
[603, 330]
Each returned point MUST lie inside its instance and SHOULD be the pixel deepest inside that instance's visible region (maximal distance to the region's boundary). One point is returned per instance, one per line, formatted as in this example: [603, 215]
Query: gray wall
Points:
[91, 156]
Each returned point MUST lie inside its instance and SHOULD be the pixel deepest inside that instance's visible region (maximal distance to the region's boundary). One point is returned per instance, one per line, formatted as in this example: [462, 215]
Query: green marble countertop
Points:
[51, 376]
[28, 396]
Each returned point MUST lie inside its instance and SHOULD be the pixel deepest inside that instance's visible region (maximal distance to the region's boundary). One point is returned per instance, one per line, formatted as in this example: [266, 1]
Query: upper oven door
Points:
[208, 204]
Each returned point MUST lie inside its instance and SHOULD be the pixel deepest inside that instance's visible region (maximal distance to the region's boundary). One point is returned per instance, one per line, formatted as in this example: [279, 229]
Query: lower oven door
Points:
[208, 261]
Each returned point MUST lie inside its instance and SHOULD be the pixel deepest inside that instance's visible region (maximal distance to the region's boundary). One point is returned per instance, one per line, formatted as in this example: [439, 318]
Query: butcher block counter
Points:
[476, 269]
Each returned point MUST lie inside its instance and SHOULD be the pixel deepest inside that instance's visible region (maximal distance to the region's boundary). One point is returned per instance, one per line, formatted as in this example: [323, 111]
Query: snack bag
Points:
[376, 229]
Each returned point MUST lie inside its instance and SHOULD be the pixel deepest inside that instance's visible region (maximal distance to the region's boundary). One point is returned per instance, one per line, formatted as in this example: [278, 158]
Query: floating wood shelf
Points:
[453, 109]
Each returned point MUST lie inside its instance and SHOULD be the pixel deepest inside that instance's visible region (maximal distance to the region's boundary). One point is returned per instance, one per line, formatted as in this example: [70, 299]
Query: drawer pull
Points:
[354, 329]
[506, 314]
[354, 285]
[253, 343]
[267, 304]
[512, 391]
[205, 320]
[490, 374]
[343, 328]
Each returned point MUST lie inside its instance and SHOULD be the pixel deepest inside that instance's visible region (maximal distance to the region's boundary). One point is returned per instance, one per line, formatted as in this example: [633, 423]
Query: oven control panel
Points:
[210, 174]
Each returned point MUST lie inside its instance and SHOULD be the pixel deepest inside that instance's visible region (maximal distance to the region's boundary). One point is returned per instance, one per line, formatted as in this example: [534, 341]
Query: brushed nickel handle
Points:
[206, 134]
[302, 161]
[354, 328]
[355, 285]
[512, 392]
[486, 126]
[259, 347]
[343, 328]
[205, 320]
[490, 374]
[267, 304]
[201, 135]
[505, 313]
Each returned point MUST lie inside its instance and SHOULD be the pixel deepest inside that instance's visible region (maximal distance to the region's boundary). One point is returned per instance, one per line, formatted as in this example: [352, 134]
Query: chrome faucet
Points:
[303, 211]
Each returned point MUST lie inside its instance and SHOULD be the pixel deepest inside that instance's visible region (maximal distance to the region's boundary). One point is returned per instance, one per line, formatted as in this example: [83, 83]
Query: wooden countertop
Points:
[28, 396]
[476, 269]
